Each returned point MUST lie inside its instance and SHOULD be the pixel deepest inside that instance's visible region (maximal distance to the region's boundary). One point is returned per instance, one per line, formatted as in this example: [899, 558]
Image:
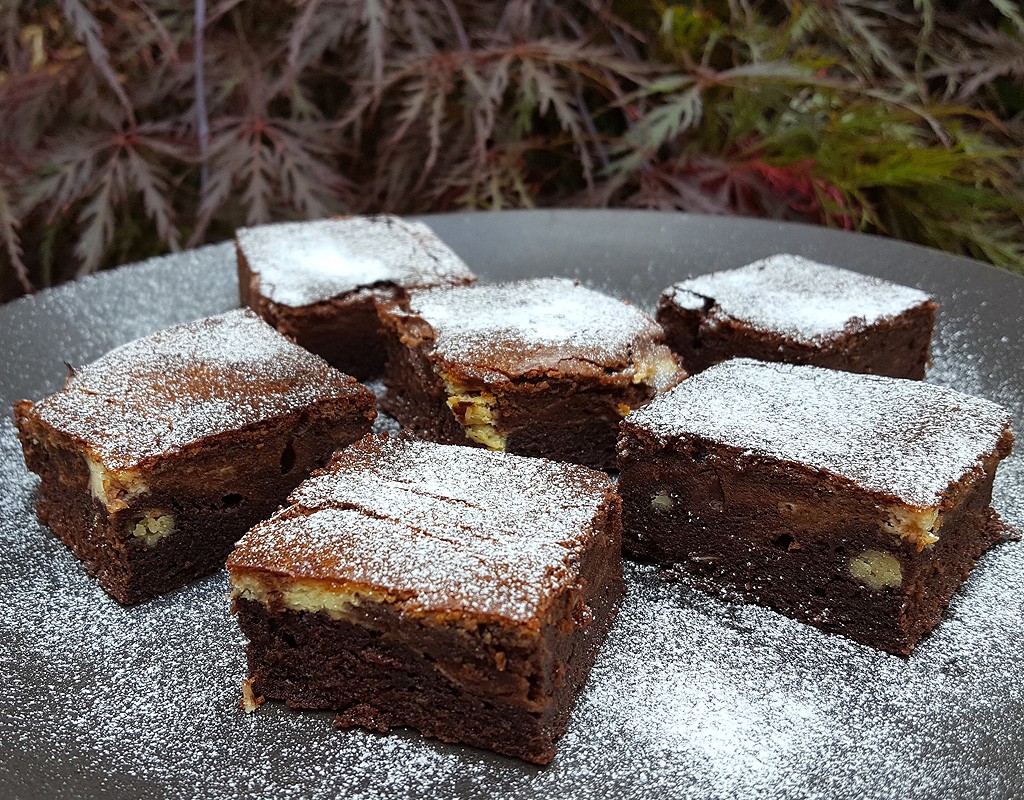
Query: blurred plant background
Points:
[135, 127]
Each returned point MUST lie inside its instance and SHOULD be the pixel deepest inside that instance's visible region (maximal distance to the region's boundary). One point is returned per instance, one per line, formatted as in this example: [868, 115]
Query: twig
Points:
[202, 118]
[460, 29]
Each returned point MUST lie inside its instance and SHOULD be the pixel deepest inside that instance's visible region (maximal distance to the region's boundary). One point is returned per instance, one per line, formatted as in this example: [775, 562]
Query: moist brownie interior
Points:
[157, 457]
[856, 503]
[457, 591]
[543, 367]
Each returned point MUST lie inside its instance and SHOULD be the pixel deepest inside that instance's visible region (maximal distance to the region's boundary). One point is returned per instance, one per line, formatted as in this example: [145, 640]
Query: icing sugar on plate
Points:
[690, 697]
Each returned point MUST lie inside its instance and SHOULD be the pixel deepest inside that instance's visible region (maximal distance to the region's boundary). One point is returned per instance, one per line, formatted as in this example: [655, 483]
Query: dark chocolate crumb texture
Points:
[856, 503]
[460, 592]
[788, 308]
[157, 457]
[542, 367]
[318, 281]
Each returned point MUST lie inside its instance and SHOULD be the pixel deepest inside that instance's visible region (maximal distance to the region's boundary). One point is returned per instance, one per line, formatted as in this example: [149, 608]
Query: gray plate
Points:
[691, 697]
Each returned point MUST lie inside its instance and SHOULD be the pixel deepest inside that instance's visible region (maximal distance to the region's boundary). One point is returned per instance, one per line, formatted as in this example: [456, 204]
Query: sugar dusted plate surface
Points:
[691, 697]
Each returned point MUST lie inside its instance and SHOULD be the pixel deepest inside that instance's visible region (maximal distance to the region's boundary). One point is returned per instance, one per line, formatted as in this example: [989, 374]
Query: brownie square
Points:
[317, 282]
[855, 503]
[156, 458]
[456, 591]
[787, 308]
[540, 367]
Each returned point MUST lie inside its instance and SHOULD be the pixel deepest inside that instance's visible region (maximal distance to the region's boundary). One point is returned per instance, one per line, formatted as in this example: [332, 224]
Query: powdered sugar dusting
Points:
[158, 394]
[430, 570]
[805, 300]
[299, 263]
[482, 323]
[762, 706]
[903, 438]
[445, 528]
[690, 697]
[410, 479]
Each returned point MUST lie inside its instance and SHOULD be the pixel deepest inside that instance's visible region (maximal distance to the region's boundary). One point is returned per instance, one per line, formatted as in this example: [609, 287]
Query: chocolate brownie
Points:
[787, 308]
[156, 458]
[318, 282]
[540, 367]
[855, 503]
[460, 592]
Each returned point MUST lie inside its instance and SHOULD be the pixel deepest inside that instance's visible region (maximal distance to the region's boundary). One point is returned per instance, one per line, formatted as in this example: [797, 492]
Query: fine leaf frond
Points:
[1012, 12]
[87, 29]
[10, 239]
[97, 217]
[151, 182]
[900, 117]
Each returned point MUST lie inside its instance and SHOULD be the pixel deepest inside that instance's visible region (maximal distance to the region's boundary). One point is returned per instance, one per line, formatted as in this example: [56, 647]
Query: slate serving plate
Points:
[690, 698]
